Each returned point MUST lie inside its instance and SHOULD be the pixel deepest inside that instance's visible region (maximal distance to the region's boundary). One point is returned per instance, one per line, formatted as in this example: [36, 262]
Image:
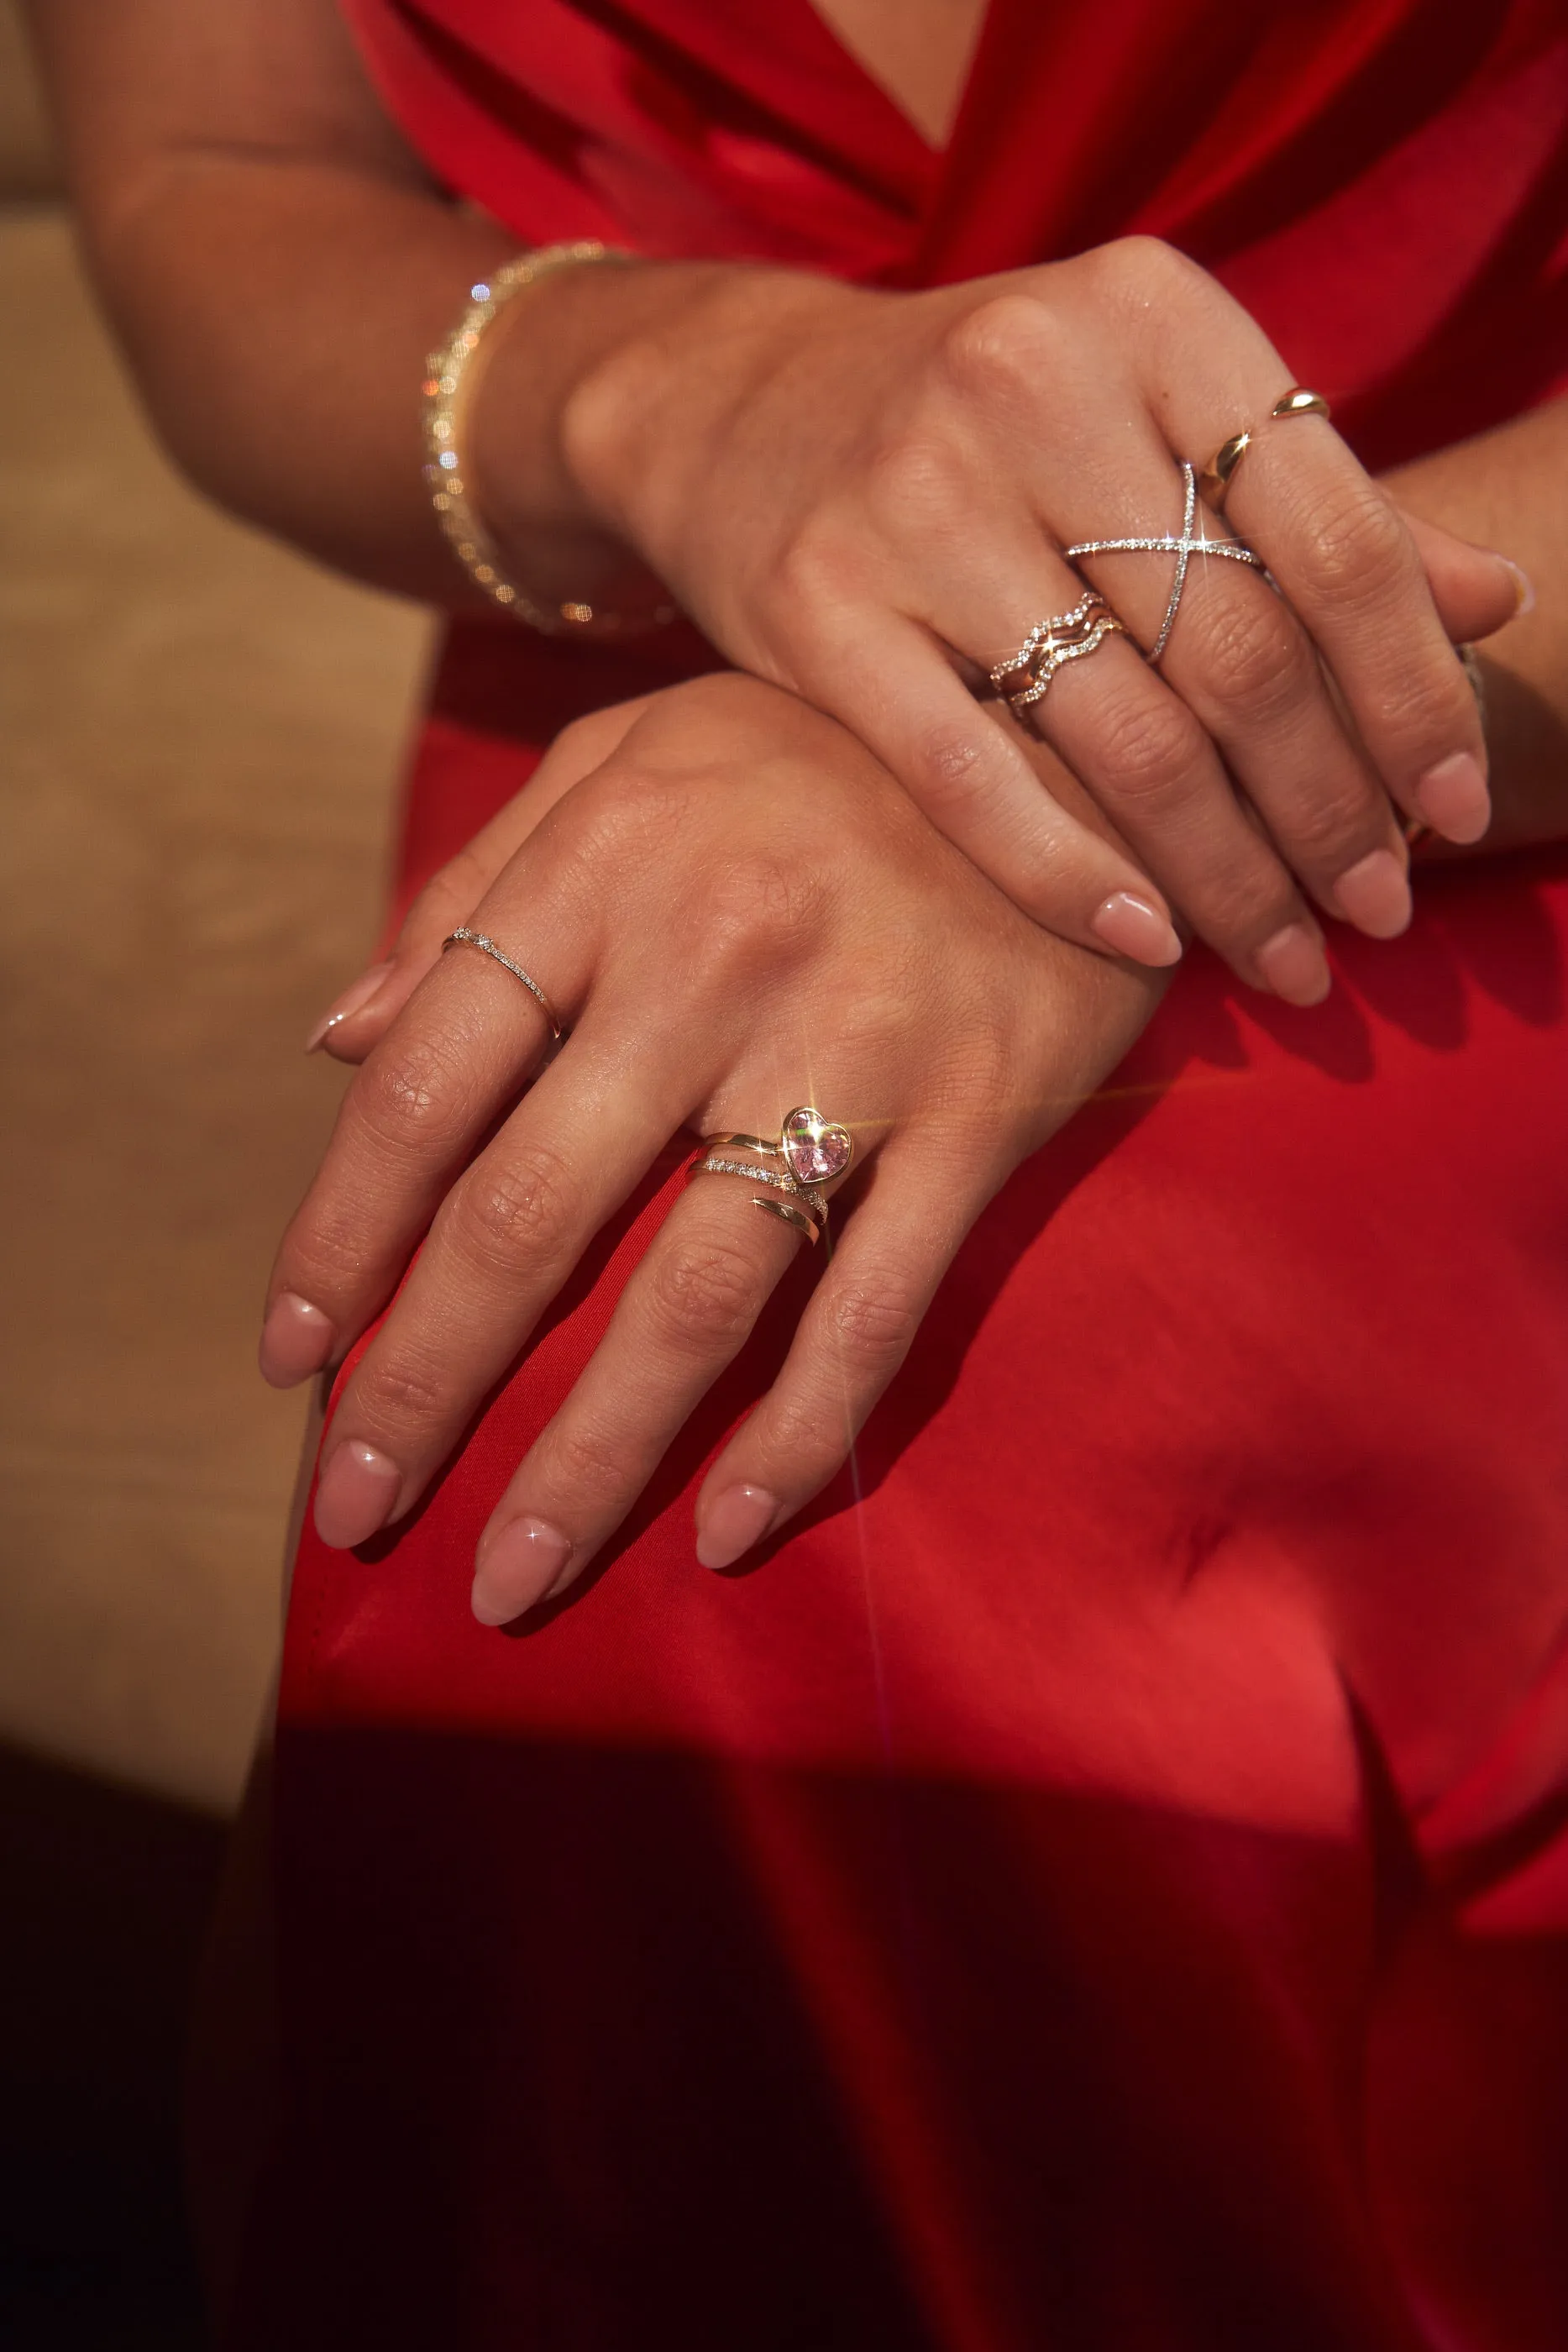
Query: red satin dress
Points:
[1101, 1883]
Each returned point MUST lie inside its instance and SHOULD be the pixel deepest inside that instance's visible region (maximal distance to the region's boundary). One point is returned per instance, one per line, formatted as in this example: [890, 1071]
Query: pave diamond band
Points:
[1181, 544]
[463, 938]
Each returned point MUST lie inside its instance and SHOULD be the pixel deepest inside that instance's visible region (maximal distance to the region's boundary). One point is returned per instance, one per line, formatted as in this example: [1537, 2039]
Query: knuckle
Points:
[410, 1094]
[998, 345]
[917, 477]
[1149, 749]
[871, 1322]
[618, 810]
[762, 910]
[1141, 259]
[705, 1294]
[329, 1256]
[808, 570]
[587, 1461]
[1359, 551]
[1255, 661]
[398, 1391]
[1334, 820]
[1140, 274]
[1243, 902]
[946, 762]
[515, 1211]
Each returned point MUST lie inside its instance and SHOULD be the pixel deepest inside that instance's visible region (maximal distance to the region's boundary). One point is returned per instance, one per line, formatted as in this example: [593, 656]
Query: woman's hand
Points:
[736, 911]
[859, 494]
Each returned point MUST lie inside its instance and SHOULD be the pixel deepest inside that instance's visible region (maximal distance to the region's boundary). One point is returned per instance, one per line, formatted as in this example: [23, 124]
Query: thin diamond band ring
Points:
[1181, 544]
[463, 938]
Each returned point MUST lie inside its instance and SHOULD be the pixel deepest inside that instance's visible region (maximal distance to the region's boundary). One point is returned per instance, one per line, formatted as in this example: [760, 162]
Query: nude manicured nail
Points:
[1523, 587]
[1374, 895]
[354, 999]
[1133, 927]
[355, 1495]
[296, 1341]
[1294, 966]
[1454, 800]
[733, 1522]
[519, 1564]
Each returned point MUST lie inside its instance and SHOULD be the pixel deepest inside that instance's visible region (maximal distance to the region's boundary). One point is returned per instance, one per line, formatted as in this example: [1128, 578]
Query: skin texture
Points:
[246, 202]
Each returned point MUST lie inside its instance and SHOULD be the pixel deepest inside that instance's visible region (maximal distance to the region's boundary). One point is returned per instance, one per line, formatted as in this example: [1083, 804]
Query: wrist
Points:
[644, 416]
[539, 350]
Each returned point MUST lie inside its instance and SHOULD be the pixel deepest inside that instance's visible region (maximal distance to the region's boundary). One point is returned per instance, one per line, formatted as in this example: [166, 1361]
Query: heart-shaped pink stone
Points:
[815, 1150]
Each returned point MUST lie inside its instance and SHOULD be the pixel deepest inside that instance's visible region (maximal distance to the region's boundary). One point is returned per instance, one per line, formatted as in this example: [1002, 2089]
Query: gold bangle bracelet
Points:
[451, 380]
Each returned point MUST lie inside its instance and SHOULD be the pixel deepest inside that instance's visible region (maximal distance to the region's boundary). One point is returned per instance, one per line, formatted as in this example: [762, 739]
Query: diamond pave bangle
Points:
[450, 382]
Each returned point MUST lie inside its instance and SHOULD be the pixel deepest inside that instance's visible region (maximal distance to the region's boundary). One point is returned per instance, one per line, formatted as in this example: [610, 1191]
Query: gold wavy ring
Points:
[1024, 678]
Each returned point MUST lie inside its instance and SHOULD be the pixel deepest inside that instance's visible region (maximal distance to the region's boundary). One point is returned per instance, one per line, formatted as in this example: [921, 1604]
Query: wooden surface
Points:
[200, 735]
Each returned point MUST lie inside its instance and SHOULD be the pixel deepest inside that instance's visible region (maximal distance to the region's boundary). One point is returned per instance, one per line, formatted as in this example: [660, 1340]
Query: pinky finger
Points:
[855, 1333]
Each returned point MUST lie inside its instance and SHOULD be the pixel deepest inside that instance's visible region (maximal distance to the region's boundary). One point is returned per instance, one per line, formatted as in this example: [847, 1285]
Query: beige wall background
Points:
[200, 735]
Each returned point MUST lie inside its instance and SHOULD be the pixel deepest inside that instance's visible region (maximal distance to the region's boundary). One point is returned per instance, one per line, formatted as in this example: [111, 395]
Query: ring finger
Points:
[1145, 757]
[685, 1315]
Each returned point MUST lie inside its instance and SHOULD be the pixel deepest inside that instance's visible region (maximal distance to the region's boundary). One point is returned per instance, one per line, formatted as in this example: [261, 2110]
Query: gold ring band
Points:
[463, 938]
[1216, 476]
[743, 1143]
[791, 1217]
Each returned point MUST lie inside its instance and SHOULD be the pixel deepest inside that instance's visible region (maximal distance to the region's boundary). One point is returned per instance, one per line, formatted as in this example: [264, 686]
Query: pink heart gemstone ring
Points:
[813, 1150]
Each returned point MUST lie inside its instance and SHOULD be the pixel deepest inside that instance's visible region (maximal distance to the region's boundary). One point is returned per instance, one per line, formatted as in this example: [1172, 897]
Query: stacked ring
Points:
[1024, 678]
[811, 1149]
[1216, 478]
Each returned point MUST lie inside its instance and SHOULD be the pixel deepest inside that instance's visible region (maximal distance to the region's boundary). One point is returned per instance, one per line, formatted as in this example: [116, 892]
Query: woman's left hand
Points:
[736, 911]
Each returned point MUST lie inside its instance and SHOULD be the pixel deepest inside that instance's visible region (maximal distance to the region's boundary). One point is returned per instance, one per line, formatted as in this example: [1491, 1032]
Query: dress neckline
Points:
[936, 156]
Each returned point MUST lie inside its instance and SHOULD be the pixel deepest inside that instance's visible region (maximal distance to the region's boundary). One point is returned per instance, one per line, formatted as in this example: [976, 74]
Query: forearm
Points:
[278, 267]
[1508, 488]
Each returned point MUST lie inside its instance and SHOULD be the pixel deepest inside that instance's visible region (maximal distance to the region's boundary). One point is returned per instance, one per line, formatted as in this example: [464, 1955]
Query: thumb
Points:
[1477, 592]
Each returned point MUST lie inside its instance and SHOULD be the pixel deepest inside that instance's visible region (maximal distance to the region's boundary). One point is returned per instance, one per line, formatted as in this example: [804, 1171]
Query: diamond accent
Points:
[1181, 544]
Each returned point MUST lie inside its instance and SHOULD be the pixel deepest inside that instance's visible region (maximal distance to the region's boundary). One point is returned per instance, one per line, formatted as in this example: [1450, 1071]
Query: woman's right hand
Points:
[736, 911]
[859, 494]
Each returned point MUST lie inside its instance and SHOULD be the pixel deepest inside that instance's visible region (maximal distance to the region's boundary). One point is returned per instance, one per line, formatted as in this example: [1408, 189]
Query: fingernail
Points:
[354, 999]
[519, 1564]
[355, 1495]
[1374, 895]
[1133, 927]
[296, 1341]
[1454, 800]
[733, 1522]
[1523, 587]
[1294, 965]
